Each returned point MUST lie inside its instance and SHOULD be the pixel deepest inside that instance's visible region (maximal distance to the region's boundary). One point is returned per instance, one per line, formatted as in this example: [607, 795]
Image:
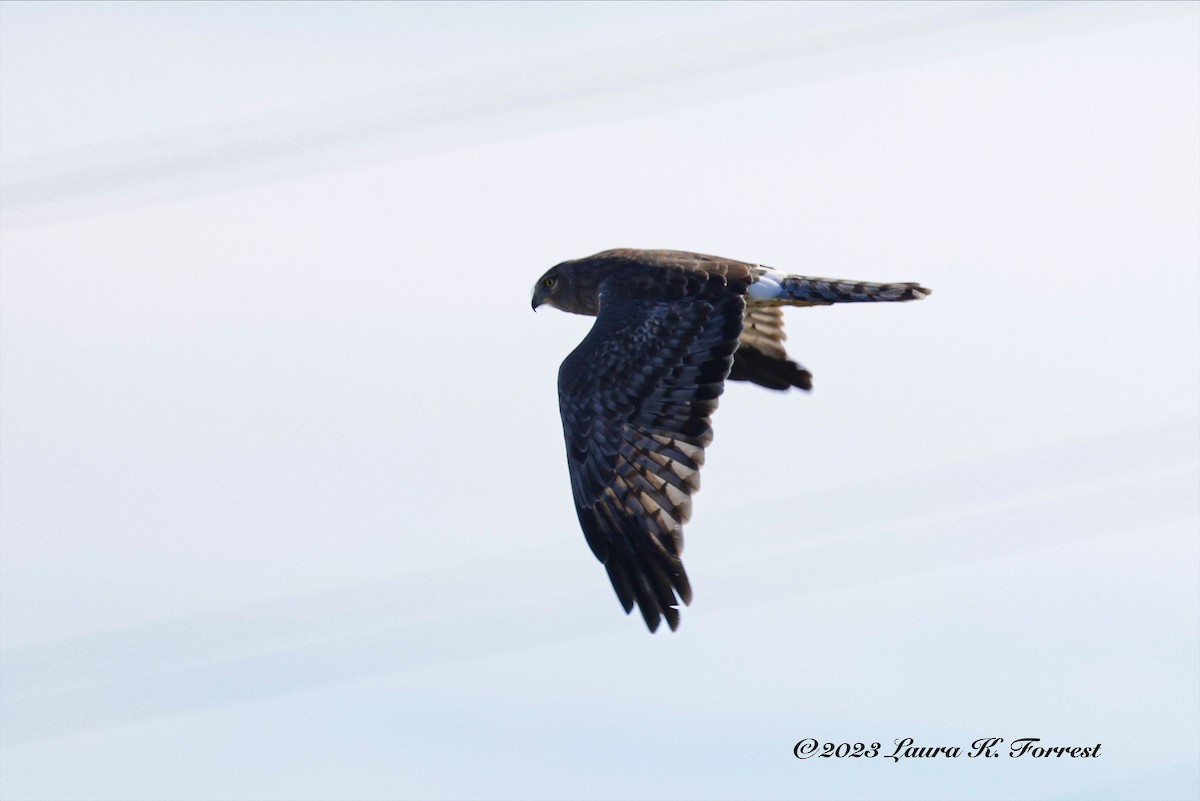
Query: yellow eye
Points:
[549, 282]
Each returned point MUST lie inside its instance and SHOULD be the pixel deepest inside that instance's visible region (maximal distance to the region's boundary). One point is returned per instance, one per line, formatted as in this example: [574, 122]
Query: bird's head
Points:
[551, 288]
[573, 286]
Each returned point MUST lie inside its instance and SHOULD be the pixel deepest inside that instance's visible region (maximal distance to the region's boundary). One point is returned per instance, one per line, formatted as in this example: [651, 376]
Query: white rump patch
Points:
[769, 284]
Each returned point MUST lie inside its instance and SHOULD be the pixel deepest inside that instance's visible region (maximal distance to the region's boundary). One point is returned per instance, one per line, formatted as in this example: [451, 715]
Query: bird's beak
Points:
[539, 296]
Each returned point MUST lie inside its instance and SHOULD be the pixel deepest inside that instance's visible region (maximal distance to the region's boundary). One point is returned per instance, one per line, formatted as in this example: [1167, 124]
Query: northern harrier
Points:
[637, 394]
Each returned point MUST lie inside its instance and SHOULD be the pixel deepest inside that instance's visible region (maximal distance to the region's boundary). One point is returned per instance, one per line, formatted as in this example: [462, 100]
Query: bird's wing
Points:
[636, 397]
[762, 358]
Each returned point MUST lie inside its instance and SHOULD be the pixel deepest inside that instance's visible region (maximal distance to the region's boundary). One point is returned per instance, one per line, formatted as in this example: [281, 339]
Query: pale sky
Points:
[284, 509]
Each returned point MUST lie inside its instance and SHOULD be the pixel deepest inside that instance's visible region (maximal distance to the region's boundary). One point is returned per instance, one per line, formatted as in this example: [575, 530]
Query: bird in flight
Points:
[637, 394]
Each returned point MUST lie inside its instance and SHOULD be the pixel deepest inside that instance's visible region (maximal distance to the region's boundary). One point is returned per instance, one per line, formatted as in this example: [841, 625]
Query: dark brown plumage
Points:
[636, 396]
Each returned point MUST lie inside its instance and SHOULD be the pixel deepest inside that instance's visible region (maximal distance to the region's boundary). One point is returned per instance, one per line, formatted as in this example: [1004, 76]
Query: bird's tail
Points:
[778, 288]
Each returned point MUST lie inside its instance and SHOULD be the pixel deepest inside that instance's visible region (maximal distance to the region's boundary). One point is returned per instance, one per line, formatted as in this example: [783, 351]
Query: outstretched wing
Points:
[762, 359]
[636, 397]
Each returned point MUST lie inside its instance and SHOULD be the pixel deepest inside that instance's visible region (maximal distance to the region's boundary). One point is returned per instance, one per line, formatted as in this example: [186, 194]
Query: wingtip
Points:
[652, 618]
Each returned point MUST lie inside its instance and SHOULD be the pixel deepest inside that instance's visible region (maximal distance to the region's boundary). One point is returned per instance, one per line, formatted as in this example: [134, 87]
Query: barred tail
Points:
[775, 287]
